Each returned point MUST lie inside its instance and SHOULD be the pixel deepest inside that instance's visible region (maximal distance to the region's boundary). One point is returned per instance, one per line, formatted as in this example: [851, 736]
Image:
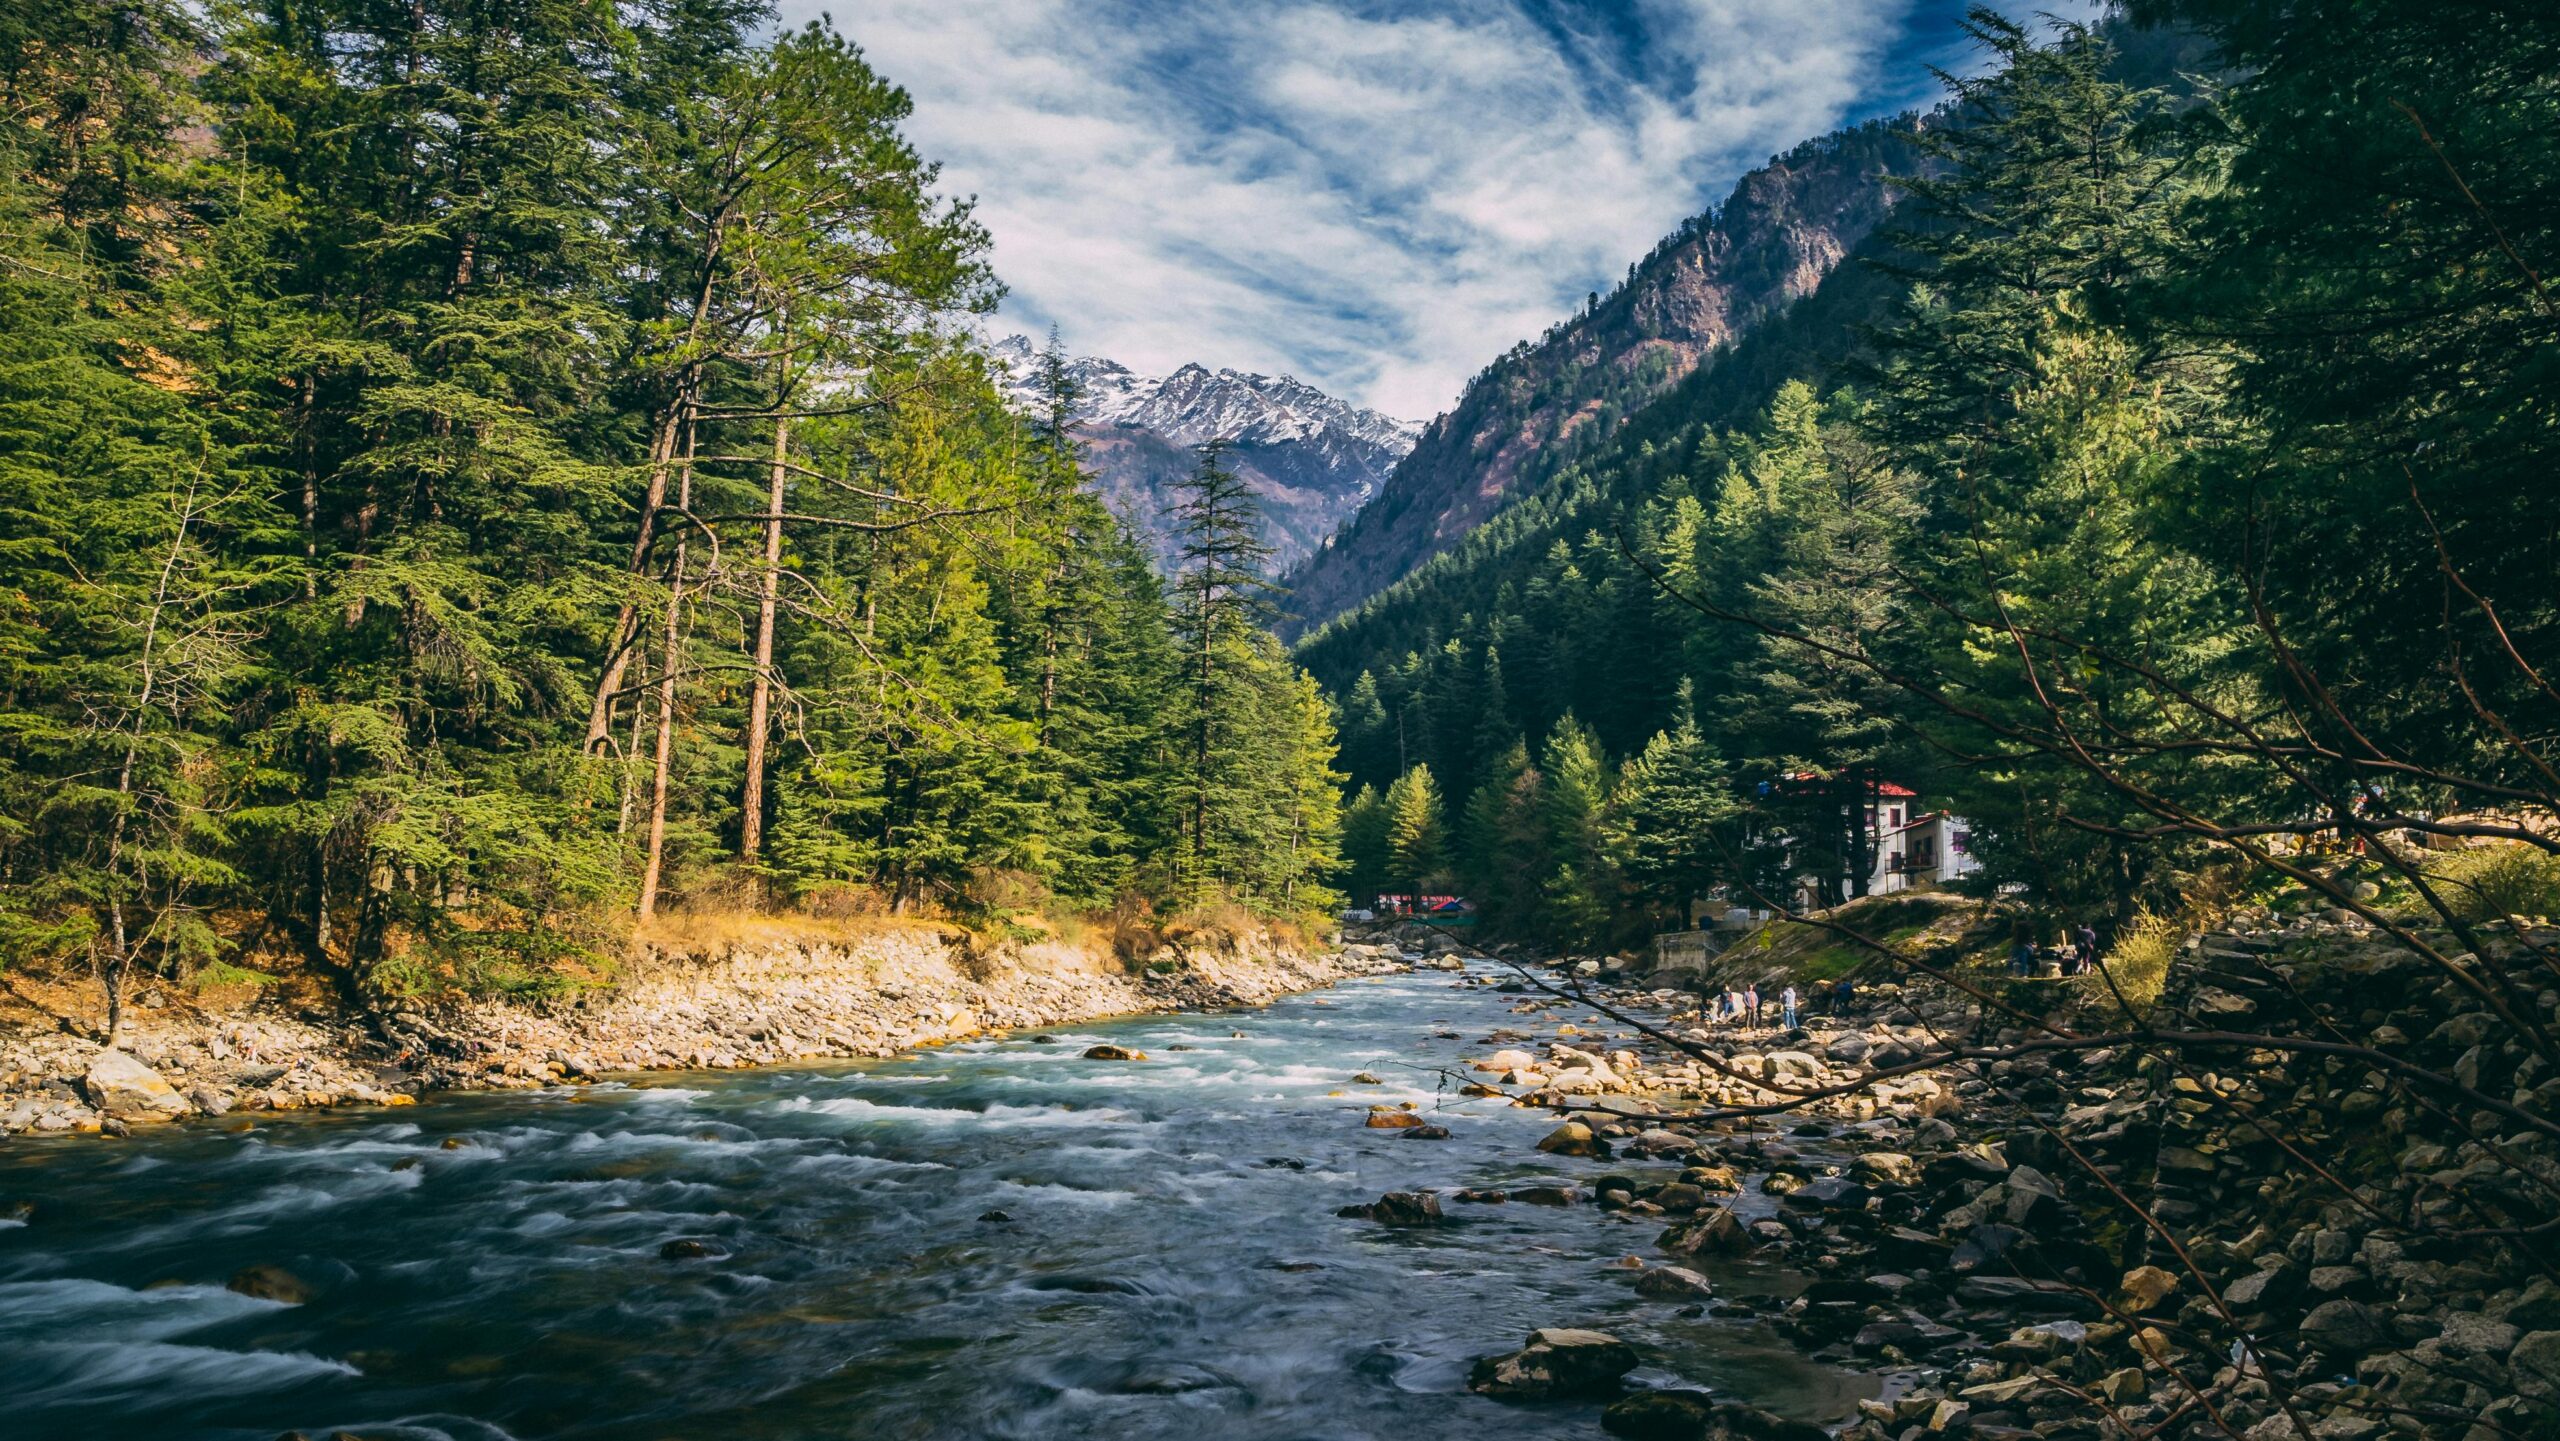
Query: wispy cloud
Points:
[1375, 195]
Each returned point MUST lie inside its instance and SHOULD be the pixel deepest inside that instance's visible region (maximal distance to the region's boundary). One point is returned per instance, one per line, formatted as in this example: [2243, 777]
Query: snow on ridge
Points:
[1195, 404]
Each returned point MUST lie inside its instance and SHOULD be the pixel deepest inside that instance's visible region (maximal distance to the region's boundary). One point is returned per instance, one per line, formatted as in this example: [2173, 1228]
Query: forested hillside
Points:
[2158, 490]
[472, 475]
[1541, 405]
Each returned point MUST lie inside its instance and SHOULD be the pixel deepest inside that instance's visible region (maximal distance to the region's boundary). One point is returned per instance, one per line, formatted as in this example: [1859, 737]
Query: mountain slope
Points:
[1310, 459]
[1785, 227]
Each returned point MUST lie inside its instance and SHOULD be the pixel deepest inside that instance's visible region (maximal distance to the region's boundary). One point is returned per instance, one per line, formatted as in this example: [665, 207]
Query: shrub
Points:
[2486, 883]
[2137, 965]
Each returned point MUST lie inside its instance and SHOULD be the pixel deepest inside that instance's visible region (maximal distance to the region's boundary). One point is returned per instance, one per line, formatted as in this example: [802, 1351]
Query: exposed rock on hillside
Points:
[1786, 226]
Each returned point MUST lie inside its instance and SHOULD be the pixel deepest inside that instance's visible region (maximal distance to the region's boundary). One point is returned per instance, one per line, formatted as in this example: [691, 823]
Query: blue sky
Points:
[1377, 196]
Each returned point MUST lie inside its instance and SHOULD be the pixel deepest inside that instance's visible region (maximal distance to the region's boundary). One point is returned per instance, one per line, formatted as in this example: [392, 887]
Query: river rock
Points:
[1828, 1193]
[1547, 1195]
[1426, 1133]
[128, 1090]
[1718, 1232]
[1698, 1416]
[2347, 1329]
[1886, 1168]
[2535, 1364]
[1575, 1139]
[1558, 1363]
[1384, 1119]
[2142, 1288]
[1398, 1208]
[2468, 1333]
[1656, 1141]
[1673, 1283]
[269, 1283]
[1113, 1053]
[1680, 1198]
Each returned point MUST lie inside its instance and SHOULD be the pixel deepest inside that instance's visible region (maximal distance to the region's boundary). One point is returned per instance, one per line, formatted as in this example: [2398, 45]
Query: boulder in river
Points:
[1673, 1283]
[1828, 1193]
[1558, 1363]
[1113, 1053]
[1398, 1208]
[1574, 1139]
[269, 1283]
[1547, 1195]
[128, 1090]
[1426, 1133]
[1382, 1118]
[1715, 1232]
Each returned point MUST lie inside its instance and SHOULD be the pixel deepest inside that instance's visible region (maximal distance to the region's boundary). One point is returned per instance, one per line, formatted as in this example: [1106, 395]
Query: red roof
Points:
[1885, 789]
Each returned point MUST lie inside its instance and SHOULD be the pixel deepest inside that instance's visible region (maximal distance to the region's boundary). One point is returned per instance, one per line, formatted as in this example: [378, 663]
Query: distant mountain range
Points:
[1311, 459]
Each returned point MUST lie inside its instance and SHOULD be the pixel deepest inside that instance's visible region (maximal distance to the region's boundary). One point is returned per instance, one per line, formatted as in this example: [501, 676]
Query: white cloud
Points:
[1378, 198]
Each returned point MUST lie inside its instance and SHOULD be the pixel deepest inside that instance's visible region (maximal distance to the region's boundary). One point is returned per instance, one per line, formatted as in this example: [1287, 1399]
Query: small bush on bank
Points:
[2486, 883]
[2137, 965]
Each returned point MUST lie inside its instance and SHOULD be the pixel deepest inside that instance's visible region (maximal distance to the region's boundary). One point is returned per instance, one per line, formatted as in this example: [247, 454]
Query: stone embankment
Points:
[754, 1001]
[2114, 1241]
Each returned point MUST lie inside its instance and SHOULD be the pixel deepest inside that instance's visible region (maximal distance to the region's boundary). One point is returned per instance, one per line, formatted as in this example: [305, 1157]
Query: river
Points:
[489, 1266]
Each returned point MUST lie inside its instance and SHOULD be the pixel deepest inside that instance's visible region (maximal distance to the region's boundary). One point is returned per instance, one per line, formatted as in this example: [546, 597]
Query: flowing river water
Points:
[490, 1266]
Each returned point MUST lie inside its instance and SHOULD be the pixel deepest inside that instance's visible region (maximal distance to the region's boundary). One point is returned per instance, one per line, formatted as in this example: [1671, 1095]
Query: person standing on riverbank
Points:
[1787, 1006]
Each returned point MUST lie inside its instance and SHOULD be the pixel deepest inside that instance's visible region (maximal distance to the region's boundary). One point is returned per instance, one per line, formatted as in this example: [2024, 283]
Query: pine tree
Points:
[1671, 804]
[1222, 597]
[1414, 831]
[1365, 850]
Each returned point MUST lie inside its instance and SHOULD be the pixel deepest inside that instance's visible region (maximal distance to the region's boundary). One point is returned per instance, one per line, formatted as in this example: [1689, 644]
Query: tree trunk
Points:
[631, 760]
[760, 701]
[310, 447]
[626, 621]
[671, 643]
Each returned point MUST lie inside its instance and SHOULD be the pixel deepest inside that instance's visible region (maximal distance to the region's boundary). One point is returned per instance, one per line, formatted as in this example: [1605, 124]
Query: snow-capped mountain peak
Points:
[1195, 404]
[1311, 458]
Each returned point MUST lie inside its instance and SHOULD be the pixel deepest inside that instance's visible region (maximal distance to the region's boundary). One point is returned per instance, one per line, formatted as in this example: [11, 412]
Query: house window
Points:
[1897, 815]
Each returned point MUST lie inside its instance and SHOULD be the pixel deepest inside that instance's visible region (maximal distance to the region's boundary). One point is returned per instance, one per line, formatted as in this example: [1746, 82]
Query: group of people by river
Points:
[2074, 953]
[1745, 1010]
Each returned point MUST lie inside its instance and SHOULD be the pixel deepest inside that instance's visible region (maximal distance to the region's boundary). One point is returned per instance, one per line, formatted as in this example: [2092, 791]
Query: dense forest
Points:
[2161, 490]
[475, 473]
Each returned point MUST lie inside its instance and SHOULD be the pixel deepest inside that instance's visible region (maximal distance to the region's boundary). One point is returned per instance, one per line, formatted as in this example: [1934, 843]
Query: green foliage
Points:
[2136, 966]
[2497, 882]
[415, 423]
[2169, 477]
[1414, 831]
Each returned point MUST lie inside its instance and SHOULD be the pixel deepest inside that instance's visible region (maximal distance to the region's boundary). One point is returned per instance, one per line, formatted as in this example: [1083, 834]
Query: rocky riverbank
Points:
[783, 994]
[2095, 1242]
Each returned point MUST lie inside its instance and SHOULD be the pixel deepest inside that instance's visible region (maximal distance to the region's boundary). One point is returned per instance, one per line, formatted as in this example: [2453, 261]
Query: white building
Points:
[1915, 849]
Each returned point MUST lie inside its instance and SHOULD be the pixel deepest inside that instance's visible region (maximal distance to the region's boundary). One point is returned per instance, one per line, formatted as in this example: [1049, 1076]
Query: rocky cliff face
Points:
[1311, 459]
[1785, 227]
